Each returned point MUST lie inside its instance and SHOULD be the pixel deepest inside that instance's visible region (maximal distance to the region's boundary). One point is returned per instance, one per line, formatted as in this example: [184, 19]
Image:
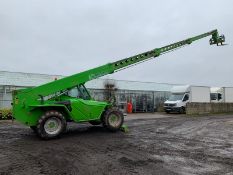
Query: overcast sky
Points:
[65, 37]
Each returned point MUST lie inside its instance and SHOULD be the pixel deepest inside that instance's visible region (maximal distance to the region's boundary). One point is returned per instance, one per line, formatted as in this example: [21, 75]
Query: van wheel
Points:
[51, 125]
[113, 119]
[182, 110]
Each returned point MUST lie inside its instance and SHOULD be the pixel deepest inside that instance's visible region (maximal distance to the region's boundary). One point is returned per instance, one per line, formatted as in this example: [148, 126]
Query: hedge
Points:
[5, 114]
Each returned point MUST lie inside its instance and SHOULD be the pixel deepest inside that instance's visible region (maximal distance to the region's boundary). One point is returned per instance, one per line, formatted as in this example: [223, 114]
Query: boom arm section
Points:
[83, 77]
[124, 63]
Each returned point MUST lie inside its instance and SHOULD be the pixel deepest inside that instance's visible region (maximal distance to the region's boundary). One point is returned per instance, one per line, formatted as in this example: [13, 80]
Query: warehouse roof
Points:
[25, 79]
[31, 79]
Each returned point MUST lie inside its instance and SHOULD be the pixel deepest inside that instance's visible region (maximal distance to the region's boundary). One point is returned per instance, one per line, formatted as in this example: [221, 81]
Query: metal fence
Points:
[142, 101]
[5, 96]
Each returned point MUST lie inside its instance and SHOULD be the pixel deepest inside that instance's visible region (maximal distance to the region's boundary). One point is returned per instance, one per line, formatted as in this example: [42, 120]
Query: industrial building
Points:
[145, 96]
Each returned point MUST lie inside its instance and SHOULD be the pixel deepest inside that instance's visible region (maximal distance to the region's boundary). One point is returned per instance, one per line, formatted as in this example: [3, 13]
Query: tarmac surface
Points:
[155, 144]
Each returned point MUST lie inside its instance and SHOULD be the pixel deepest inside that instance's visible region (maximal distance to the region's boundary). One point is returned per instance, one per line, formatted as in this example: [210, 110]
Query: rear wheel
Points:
[113, 119]
[51, 125]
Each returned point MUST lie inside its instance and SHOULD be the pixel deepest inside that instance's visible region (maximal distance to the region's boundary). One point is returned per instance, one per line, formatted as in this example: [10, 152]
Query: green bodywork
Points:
[31, 103]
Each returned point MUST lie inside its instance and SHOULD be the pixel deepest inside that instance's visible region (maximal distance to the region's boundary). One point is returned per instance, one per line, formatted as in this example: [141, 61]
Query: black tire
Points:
[182, 110]
[55, 118]
[168, 112]
[95, 122]
[108, 119]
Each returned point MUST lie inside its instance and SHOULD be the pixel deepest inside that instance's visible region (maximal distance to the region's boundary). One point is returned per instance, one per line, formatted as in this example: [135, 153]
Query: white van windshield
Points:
[175, 97]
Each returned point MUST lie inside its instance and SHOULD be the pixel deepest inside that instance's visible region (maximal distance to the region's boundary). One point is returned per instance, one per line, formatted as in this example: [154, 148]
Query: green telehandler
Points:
[47, 108]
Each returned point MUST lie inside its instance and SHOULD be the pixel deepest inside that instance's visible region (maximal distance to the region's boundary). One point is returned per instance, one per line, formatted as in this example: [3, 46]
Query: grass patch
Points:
[5, 114]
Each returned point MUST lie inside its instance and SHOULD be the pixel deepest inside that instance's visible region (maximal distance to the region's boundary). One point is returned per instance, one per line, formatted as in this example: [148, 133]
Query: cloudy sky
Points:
[65, 37]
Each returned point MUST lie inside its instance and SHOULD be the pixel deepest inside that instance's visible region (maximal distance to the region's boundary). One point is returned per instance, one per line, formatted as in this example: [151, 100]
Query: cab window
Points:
[186, 97]
[79, 92]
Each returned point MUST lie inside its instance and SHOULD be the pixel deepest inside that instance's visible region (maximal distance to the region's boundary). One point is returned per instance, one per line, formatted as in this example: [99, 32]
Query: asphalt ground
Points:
[155, 144]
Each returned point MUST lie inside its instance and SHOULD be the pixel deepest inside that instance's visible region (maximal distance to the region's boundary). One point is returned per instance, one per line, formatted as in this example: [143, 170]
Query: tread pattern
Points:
[106, 119]
[40, 126]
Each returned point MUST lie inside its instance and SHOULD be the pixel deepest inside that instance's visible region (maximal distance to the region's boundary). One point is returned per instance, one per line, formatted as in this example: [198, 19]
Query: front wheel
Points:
[113, 119]
[182, 110]
[51, 125]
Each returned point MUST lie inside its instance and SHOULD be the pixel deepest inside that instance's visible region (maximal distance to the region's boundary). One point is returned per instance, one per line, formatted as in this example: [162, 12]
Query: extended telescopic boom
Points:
[216, 39]
[83, 77]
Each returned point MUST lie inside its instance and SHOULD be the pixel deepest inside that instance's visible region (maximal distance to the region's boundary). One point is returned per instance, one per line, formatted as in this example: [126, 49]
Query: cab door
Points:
[185, 99]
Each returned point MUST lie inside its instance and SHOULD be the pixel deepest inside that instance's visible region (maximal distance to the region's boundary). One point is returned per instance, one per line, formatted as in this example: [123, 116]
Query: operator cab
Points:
[79, 92]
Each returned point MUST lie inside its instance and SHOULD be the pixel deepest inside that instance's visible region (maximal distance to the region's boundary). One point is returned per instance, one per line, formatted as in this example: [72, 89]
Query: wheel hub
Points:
[52, 126]
[114, 120]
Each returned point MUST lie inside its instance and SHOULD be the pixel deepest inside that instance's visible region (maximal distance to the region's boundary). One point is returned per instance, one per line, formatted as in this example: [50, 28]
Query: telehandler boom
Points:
[48, 107]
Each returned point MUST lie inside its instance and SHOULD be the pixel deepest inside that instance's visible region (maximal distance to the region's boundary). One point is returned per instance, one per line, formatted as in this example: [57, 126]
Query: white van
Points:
[181, 95]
